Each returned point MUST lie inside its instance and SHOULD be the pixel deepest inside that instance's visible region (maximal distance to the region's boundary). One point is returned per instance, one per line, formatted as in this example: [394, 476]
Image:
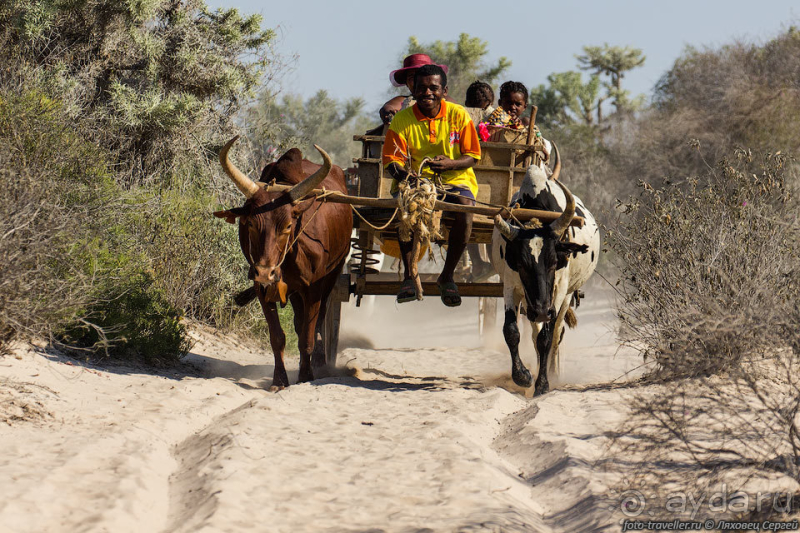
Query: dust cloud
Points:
[589, 354]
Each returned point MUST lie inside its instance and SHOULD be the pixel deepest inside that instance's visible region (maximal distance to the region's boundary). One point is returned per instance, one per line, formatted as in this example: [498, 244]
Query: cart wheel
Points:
[331, 331]
[487, 315]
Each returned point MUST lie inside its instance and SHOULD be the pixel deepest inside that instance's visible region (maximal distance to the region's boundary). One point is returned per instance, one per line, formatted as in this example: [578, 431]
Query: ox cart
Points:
[499, 173]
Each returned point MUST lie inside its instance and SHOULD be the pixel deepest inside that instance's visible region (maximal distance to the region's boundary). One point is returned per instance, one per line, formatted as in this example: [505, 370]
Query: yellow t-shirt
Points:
[450, 133]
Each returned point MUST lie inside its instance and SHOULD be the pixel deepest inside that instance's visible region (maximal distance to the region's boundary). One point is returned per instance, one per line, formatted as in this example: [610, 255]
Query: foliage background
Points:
[119, 108]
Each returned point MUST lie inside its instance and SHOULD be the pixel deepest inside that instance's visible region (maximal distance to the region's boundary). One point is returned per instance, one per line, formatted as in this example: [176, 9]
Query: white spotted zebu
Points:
[541, 268]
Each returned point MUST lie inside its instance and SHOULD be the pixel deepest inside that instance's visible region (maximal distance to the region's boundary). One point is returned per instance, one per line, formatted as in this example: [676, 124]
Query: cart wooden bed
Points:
[499, 172]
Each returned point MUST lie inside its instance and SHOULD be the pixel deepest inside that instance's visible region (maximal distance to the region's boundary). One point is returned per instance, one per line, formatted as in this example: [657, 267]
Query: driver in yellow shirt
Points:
[443, 131]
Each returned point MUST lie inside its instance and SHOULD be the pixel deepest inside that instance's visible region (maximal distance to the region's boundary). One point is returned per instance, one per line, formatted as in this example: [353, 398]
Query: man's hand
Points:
[442, 163]
[397, 172]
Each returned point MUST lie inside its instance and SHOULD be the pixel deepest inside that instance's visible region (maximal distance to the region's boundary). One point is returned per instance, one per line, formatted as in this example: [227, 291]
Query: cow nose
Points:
[541, 313]
[540, 316]
[266, 274]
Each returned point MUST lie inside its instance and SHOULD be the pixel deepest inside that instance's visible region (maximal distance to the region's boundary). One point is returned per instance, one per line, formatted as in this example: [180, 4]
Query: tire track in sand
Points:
[382, 452]
[192, 496]
[392, 450]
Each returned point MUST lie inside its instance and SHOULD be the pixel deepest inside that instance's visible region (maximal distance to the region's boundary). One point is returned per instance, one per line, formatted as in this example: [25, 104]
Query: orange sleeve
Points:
[395, 149]
[470, 143]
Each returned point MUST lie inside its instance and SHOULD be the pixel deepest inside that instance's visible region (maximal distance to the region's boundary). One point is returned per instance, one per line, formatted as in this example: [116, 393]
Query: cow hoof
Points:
[279, 381]
[522, 377]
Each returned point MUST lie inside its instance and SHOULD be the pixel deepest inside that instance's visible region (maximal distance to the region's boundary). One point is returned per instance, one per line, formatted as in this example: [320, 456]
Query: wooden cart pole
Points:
[529, 158]
[523, 215]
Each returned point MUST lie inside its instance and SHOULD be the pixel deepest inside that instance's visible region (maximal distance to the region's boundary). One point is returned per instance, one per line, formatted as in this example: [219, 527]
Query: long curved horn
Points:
[560, 225]
[240, 179]
[557, 165]
[301, 190]
[508, 231]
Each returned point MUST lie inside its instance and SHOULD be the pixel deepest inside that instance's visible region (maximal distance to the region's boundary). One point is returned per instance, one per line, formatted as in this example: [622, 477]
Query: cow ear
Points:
[567, 248]
[230, 215]
[301, 207]
[527, 234]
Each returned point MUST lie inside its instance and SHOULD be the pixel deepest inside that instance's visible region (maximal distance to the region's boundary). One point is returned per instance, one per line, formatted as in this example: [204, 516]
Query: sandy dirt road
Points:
[418, 439]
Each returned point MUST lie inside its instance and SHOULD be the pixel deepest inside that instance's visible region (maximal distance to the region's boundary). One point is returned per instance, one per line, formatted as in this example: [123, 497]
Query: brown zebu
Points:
[296, 248]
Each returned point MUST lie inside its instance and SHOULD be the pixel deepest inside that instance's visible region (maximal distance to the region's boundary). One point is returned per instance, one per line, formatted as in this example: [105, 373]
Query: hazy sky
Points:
[349, 47]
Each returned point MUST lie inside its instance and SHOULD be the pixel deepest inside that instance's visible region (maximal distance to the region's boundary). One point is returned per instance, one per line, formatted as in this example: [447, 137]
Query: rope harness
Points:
[420, 222]
[291, 242]
[418, 214]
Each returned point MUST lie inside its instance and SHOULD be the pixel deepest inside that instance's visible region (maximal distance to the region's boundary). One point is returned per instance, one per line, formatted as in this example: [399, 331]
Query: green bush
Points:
[156, 81]
[133, 320]
[58, 203]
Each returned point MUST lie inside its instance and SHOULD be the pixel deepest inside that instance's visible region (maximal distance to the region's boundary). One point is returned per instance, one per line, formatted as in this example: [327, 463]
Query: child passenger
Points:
[480, 96]
[479, 105]
[513, 102]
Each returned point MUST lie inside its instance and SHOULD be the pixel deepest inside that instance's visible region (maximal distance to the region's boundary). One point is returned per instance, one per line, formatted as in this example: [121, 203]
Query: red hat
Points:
[410, 64]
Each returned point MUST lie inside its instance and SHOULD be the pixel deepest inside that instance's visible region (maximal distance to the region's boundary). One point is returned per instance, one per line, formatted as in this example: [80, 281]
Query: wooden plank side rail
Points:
[522, 215]
[374, 161]
[488, 144]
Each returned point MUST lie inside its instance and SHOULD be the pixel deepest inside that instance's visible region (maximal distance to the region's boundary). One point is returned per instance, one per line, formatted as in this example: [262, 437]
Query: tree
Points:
[276, 125]
[465, 60]
[614, 62]
[161, 78]
[568, 99]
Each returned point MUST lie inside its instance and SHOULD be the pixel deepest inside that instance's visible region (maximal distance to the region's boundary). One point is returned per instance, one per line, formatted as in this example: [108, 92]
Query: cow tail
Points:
[571, 319]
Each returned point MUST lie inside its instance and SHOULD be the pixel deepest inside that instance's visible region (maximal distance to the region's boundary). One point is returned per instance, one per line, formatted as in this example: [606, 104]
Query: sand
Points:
[425, 433]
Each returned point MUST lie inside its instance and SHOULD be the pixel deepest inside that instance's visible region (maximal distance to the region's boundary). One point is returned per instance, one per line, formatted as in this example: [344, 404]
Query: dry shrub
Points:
[45, 282]
[70, 271]
[42, 282]
[710, 295]
[708, 258]
[732, 437]
[709, 267]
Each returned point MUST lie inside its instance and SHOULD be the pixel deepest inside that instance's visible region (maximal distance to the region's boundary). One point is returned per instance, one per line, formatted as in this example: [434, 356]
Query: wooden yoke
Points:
[523, 215]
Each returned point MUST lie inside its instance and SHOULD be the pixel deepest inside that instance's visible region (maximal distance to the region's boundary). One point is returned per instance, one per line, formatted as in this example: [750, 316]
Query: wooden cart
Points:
[499, 173]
